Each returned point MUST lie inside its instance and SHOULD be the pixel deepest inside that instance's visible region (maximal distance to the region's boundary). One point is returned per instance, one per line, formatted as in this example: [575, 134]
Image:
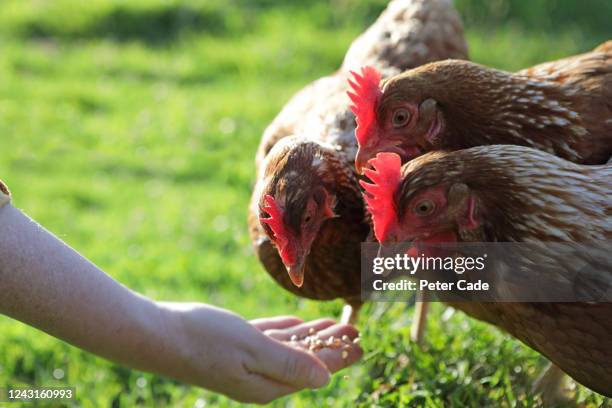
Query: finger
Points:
[300, 330]
[347, 354]
[335, 359]
[278, 322]
[339, 329]
[291, 366]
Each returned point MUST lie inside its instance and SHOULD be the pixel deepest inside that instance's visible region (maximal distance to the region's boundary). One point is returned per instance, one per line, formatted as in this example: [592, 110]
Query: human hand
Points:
[249, 362]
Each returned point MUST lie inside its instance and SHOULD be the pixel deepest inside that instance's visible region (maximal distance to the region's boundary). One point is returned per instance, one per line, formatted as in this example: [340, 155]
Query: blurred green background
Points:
[129, 130]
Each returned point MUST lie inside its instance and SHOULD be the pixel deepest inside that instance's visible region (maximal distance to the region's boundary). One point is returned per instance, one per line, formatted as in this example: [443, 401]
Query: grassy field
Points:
[129, 130]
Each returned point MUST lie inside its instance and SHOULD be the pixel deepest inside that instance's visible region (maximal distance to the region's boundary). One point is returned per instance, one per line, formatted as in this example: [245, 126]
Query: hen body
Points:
[525, 195]
[311, 143]
[407, 34]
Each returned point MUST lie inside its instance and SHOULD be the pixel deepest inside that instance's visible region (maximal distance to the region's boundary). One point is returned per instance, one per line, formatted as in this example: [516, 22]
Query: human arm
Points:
[48, 285]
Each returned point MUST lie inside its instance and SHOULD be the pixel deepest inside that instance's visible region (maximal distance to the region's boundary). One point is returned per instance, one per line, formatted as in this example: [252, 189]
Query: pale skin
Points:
[48, 285]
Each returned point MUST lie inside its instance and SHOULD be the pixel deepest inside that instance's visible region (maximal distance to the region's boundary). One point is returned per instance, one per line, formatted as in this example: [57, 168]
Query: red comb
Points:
[385, 177]
[364, 94]
[275, 222]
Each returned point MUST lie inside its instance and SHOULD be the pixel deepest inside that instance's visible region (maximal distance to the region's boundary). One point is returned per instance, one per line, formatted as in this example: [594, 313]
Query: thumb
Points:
[291, 366]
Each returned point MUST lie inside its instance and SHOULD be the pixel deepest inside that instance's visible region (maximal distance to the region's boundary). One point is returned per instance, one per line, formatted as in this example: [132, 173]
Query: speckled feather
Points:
[407, 34]
[525, 195]
[562, 107]
[292, 167]
[543, 193]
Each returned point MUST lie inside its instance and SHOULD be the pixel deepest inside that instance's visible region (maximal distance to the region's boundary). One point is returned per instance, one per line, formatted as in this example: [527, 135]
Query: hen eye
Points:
[400, 118]
[424, 207]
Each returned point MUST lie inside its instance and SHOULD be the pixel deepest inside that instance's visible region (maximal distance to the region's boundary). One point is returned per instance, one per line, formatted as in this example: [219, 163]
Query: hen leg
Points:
[350, 313]
[552, 386]
[420, 318]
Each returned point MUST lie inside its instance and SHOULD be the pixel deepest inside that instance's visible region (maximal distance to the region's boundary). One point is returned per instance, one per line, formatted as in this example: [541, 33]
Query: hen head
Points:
[452, 105]
[294, 202]
[398, 115]
[418, 203]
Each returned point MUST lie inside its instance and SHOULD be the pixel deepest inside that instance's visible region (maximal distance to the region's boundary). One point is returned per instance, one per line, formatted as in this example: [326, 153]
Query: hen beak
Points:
[296, 273]
[386, 247]
[361, 160]
[381, 250]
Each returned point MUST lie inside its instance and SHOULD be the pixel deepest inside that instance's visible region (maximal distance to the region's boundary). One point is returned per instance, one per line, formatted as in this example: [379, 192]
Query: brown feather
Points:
[525, 195]
[333, 266]
[318, 119]
[407, 34]
[562, 107]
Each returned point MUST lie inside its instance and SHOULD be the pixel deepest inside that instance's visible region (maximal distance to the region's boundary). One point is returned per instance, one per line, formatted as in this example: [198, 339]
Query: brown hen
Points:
[307, 197]
[407, 34]
[505, 193]
[562, 107]
[313, 180]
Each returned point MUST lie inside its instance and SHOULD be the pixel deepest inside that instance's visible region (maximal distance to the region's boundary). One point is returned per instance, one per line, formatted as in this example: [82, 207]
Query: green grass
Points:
[129, 130]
